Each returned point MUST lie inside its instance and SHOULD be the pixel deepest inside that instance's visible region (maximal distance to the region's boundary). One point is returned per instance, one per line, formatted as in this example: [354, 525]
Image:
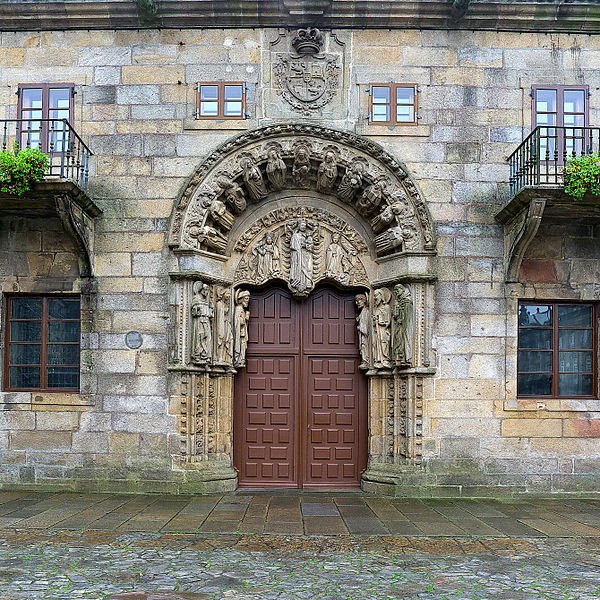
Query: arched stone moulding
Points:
[303, 205]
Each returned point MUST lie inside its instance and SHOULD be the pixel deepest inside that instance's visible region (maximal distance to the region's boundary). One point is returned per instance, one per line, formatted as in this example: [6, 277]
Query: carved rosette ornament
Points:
[306, 78]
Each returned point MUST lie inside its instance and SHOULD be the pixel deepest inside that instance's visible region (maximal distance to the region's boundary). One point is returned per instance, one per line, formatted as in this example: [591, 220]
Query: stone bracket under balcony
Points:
[70, 203]
[524, 213]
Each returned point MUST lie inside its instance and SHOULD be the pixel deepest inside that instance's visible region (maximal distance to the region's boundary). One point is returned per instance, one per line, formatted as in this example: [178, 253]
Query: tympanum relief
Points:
[301, 251]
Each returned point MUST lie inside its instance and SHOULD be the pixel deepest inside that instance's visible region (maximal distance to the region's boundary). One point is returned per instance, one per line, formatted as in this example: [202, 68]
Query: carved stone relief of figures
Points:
[276, 169]
[266, 257]
[395, 213]
[217, 211]
[328, 171]
[208, 236]
[401, 325]
[363, 325]
[371, 198]
[202, 312]
[232, 192]
[302, 238]
[351, 181]
[253, 178]
[241, 316]
[301, 166]
[338, 259]
[382, 320]
[223, 329]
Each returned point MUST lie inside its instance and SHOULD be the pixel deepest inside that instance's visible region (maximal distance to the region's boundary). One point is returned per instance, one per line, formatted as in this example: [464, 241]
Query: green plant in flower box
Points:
[19, 169]
[582, 175]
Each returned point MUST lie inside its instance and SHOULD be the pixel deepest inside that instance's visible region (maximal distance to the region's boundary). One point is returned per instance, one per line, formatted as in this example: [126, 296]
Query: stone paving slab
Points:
[309, 514]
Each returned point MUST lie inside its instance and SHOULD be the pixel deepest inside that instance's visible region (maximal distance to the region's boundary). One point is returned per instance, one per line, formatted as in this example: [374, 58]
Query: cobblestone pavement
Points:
[56, 546]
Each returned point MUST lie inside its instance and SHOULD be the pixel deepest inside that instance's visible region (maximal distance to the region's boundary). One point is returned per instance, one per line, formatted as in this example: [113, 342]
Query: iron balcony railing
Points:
[68, 156]
[542, 156]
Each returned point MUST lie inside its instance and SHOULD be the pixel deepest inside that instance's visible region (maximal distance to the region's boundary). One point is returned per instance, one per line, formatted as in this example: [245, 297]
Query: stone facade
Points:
[447, 421]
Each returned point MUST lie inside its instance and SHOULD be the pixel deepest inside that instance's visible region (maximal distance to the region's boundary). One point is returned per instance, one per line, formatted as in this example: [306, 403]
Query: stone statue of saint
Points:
[233, 193]
[351, 181]
[382, 320]
[202, 314]
[363, 324]
[301, 166]
[241, 316]
[276, 169]
[223, 329]
[327, 173]
[253, 179]
[266, 257]
[338, 263]
[371, 198]
[401, 323]
[301, 257]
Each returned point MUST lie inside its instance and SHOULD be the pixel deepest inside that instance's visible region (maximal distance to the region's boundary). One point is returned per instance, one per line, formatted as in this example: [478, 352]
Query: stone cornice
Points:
[545, 16]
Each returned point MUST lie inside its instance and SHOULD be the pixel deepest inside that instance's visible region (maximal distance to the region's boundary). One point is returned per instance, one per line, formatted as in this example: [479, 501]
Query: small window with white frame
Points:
[221, 100]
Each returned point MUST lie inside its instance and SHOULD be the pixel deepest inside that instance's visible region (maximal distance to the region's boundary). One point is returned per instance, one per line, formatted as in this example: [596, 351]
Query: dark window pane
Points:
[233, 92]
[233, 109]
[26, 331]
[381, 112]
[24, 377]
[32, 98]
[381, 95]
[26, 308]
[59, 308]
[539, 315]
[575, 316]
[209, 92]
[63, 377]
[540, 339]
[209, 109]
[574, 101]
[575, 362]
[63, 354]
[63, 331]
[534, 384]
[574, 338]
[535, 361]
[25, 354]
[405, 95]
[545, 101]
[575, 385]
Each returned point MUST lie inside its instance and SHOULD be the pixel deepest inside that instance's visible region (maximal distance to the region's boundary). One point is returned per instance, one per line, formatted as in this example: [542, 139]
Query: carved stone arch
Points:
[300, 204]
[247, 169]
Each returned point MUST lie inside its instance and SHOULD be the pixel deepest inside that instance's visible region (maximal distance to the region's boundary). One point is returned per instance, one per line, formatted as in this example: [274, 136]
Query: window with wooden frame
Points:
[557, 350]
[41, 108]
[42, 343]
[392, 104]
[220, 100]
[562, 113]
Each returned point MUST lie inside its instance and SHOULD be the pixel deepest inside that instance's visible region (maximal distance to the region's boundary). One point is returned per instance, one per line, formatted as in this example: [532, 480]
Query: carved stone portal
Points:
[307, 206]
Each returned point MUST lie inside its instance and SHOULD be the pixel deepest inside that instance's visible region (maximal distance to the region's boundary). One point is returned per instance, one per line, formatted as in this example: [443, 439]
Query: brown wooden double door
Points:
[300, 403]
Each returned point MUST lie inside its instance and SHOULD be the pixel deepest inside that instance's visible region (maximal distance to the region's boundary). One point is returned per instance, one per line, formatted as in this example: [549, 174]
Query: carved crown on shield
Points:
[307, 41]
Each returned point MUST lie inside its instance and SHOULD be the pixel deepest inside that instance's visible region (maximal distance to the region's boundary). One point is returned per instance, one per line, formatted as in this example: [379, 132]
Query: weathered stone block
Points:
[467, 389]
[121, 442]
[113, 264]
[104, 55]
[136, 75]
[532, 427]
[138, 94]
[57, 421]
[143, 423]
[40, 440]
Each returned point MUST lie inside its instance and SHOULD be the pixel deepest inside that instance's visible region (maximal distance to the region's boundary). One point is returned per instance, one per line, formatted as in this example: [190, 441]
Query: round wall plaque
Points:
[133, 339]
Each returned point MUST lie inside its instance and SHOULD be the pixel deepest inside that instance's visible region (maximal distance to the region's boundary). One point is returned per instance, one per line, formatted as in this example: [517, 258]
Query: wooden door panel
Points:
[300, 406]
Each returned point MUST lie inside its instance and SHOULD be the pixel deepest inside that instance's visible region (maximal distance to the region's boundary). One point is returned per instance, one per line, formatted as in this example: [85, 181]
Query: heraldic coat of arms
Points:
[307, 79]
